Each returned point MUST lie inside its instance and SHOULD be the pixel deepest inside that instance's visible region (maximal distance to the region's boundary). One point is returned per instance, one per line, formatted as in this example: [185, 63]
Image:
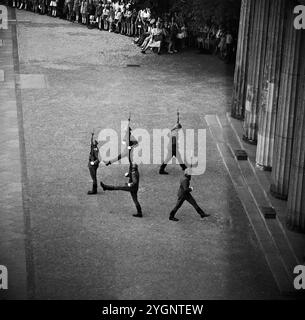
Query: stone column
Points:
[257, 52]
[242, 60]
[296, 197]
[286, 108]
[268, 100]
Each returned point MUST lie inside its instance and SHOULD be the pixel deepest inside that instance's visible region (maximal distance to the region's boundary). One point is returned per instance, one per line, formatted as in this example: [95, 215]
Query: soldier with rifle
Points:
[173, 148]
[132, 186]
[93, 164]
[134, 178]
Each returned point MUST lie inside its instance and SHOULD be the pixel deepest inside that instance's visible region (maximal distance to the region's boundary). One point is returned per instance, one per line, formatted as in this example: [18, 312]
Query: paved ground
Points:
[73, 80]
[12, 210]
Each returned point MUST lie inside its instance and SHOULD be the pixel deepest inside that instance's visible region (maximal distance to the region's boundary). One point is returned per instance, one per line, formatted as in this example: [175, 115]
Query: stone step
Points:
[273, 242]
[294, 240]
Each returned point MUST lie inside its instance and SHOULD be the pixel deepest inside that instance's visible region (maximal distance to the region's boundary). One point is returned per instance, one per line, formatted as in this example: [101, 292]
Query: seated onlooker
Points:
[144, 36]
[156, 38]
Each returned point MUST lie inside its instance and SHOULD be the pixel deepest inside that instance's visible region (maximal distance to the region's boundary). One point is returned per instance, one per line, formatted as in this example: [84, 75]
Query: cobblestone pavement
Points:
[73, 80]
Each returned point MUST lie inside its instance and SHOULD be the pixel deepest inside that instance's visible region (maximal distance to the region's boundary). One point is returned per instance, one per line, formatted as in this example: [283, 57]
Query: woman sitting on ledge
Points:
[156, 38]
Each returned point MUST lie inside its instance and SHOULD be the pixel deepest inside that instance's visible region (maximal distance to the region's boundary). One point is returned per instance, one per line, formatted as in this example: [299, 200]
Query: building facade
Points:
[269, 96]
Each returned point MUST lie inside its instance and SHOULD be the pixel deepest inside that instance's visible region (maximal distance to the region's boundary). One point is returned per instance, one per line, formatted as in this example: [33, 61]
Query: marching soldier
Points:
[93, 164]
[184, 194]
[173, 149]
[132, 187]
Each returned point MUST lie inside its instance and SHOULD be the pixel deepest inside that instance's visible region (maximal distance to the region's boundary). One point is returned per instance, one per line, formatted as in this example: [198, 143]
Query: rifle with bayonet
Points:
[129, 148]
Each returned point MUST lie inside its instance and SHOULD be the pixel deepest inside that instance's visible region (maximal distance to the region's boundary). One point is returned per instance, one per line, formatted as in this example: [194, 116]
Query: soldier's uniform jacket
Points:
[135, 180]
[93, 157]
[184, 189]
[173, 145]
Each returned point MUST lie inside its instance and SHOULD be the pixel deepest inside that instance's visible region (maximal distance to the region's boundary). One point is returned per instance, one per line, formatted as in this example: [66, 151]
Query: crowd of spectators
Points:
[166, 32]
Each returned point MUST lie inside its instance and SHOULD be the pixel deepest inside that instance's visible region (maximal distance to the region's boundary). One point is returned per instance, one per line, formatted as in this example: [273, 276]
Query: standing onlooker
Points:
[60, 8]
[229, 46]
[111, 17]
[181, 36]
[123, 19]
[140, 24]
[173, 31]
[83, 11]
[90, 14]
[76, 9]
[219, 35]
[53, 6]
[118, 20]
[128, 15]
[105, 16]
[133, 26]
[99, 15]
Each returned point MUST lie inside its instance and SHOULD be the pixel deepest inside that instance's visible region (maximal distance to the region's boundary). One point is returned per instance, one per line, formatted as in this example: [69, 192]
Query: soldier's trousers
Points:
[93, 174]
[169, 157]
[133, 192]
[189, 198]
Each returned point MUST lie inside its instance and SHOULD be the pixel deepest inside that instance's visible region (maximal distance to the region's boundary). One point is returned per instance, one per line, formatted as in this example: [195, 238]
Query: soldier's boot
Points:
[162, 169]
[105, 187]
[172, 218]
[94, 190]
[183, 166]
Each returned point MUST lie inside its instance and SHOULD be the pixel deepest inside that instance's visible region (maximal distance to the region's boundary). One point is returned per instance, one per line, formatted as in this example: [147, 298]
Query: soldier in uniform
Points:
[93, 164]
[184, 194]
[132, 187]
[173, 149]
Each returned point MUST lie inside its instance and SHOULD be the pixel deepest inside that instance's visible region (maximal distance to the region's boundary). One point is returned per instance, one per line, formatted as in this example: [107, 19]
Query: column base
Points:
[263, 168]
[276, 194]
[295, 228]
[249, 141]
[238, 117]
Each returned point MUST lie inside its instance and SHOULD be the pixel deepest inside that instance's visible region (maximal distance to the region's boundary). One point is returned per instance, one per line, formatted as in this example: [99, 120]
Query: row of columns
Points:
[269, 96]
